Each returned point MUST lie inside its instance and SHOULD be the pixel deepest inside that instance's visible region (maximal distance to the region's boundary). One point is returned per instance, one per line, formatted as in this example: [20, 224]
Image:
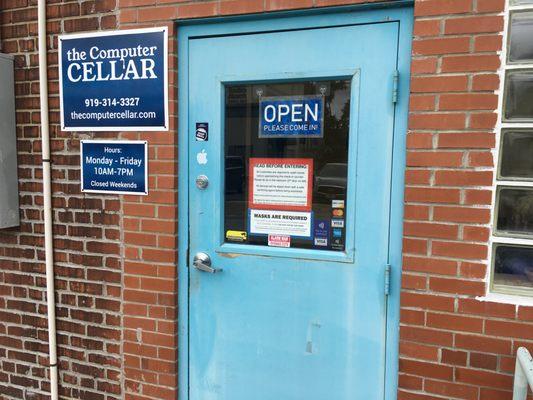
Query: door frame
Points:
[401, 11]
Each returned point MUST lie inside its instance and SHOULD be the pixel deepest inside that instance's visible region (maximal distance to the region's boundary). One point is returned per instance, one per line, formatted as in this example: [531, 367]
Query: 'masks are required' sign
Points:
[114, 80]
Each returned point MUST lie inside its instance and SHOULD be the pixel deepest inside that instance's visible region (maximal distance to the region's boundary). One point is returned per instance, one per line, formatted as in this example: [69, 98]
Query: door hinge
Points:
[395, 79]
[387, 279]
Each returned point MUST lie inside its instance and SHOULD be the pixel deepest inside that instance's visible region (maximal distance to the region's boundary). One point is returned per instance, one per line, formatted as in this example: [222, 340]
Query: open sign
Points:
[301, 116]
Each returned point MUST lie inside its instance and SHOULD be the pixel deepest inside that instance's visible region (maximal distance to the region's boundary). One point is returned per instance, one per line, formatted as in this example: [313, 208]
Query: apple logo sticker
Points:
[201, 157]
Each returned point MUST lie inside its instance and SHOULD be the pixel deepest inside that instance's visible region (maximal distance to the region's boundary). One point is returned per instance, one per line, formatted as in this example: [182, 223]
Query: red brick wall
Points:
[115, 256]
[87, 234]
[452, 345]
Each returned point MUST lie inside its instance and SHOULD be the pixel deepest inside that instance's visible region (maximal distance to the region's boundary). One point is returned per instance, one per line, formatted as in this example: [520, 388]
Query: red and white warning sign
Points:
[281, 184]
[279, 240]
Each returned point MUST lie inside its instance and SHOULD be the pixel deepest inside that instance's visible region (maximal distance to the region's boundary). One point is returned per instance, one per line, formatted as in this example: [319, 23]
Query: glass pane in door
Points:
[286, 163]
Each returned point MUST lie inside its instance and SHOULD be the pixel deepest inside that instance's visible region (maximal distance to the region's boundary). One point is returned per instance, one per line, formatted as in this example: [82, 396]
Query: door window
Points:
[286, 163]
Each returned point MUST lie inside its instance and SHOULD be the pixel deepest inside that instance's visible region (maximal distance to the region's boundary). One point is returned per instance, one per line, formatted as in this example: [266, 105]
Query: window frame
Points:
[503, 125]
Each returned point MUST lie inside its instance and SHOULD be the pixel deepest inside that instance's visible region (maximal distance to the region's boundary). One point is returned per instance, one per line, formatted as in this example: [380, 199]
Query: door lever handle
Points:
[202, 262]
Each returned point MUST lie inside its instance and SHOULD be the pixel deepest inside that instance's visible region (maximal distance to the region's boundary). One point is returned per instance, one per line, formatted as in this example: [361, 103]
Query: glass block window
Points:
[512, 240]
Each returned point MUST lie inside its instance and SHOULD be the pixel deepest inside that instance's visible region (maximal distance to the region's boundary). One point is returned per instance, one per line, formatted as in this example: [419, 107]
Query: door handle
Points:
[202, 262]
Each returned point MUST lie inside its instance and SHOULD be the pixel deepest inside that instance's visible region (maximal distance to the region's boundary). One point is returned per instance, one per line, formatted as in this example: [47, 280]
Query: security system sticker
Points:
[281, 184]
[236, 236]
[287, 223]
[114, 81]
[321, 232]
[291, 116]
[279, 240]
[114, 166]
[337, 223]
[337, 203]
[202, 132]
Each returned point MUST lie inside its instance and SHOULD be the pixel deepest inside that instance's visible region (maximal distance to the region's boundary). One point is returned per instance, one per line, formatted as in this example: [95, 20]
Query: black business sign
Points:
[114, 81]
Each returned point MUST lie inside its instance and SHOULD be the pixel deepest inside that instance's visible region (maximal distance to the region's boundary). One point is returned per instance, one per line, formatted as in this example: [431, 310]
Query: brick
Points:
[457, 286]
[440, 7]
[427, 47]
[437, 121]
[459, 250]
[424, 65]
[483, 361]
[430, 27]
[415, 246]
[241, 6]
[488, 43]
[485, 120]
[430, 265]
[432, 195]
[477, 24]
[446, 83]
[417, 177]
[463, 178]
[476, 233]
[480, 159]
[466, 140]
[451, 390]
[486, 6]
[431, 230]
[414, 282]
[470, 63]
[509, 329]
[454, 102]
[454, 322]
[416, 212]
[422, 103]
[483, 378]
[483, 344]
[419, 351]
[426, 369]
[461, 214]
[427, 301]
[454, 357]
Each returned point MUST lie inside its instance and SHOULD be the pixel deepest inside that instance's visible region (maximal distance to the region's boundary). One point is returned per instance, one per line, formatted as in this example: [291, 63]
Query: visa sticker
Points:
[337, 223]
[321, 241]
[236, 236]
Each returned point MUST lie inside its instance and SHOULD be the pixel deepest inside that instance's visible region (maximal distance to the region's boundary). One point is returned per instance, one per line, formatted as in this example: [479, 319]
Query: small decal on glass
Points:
[321, 232]
[236, 236]
[337, 203]
[279, 240]
[202, 131]
[337, 223]
[201, 157]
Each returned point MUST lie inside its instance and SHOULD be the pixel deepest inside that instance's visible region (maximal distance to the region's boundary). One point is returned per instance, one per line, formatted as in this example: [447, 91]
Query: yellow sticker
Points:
[237, 236]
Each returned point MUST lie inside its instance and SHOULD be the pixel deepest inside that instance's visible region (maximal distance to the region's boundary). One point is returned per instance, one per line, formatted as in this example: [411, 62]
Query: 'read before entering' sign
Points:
[114, 81]
[281, 184]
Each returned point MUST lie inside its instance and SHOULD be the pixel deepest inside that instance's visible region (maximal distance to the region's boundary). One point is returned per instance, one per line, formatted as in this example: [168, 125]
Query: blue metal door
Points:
[288, 315]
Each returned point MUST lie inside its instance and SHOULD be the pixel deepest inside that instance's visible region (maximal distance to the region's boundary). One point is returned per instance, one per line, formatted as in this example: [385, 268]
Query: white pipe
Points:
[47, 193]
[523, 375]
